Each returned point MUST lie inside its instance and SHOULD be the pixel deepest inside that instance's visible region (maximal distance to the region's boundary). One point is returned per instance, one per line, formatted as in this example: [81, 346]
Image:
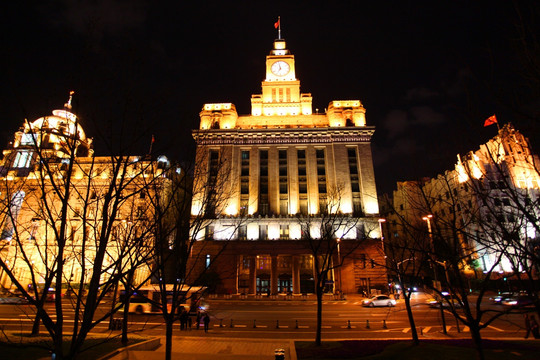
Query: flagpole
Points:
[151, 145]
[279, 27]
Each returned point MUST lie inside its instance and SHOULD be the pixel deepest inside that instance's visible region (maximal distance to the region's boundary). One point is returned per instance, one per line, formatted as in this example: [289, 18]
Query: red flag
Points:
[276, 24]
[490, 121]
[153, 139]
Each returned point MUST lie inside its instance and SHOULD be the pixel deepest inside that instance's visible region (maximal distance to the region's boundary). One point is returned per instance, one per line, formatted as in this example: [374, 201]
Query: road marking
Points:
[427, 328]
[348, 327]
[406, 330]
[303, 327]
[326, 327]
[493, 327]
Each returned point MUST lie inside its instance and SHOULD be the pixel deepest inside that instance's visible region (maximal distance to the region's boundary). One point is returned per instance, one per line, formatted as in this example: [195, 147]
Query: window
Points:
[22, 159]
[242, 232]
[15, 208]
[362, 261]
[28, 139]
[284, 232]
[209, 232]
[263, 232]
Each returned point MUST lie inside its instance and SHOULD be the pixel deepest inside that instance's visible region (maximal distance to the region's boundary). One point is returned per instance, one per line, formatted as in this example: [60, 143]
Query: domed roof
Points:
[56, 131]
[61, 122]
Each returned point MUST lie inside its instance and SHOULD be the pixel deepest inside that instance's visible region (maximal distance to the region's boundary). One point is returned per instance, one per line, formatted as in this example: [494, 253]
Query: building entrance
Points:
[307, 284]
[263, 285]
[284, 285]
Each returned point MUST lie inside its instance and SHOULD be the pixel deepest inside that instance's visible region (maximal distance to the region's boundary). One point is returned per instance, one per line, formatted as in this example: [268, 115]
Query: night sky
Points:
[428, 72]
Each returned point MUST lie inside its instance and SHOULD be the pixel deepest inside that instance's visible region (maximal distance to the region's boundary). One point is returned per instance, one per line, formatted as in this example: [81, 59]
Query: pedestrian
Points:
[183, 319]
[189, 322]
[206, 321]
[534, 328]
[527, 326]
[199, 316]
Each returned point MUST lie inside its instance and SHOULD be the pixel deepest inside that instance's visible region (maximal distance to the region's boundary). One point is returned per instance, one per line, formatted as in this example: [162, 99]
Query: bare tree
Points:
[176, 226]
[332, 237]
[62, 210]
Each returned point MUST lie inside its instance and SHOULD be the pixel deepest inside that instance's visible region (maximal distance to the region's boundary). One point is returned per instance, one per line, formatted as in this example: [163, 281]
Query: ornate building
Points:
[265, 181]
[63, 206]
[485, 210]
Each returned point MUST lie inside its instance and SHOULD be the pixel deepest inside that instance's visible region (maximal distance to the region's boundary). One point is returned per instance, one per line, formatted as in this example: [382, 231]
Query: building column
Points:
[253, 275]
[274, 275]
[296, 274]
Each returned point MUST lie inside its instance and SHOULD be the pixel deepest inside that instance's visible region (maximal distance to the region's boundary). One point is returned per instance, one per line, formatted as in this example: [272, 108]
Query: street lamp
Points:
[427, 219]
[382, 235]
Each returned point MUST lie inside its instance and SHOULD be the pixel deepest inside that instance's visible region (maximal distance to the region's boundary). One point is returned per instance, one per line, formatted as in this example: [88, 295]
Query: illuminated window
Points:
[28, 139]
[207, 261]
[22, 159]
[284, 232]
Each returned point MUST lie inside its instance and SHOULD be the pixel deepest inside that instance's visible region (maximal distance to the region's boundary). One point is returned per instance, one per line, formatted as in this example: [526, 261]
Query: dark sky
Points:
[428, 72]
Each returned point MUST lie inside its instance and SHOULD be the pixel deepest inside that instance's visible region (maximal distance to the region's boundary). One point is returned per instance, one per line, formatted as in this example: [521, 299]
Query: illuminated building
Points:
[49, 158]
[278, 165]
[488, 204]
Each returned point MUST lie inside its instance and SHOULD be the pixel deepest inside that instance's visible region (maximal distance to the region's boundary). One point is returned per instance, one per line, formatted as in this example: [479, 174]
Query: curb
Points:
[147, 345]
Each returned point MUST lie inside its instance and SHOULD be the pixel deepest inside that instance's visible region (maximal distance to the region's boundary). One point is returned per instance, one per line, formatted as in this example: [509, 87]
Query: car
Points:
[446, 301]
[518, 301]
[498, 299]
[379, 300]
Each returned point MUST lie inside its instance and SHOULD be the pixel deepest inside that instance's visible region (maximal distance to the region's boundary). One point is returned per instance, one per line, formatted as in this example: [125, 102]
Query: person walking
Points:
[206, 321]
[527, 326]
[534, 327]
[183, 319]
[198, 319]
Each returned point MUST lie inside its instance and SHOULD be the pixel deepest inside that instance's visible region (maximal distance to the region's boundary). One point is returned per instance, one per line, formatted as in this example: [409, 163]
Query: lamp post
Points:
[427, 219]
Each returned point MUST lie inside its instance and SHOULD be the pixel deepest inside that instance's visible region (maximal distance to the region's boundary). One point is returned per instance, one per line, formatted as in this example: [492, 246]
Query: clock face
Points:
[280, 68]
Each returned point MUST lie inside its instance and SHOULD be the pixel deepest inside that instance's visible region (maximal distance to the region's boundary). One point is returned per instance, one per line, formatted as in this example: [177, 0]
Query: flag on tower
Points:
[276, 24]
[490, 121]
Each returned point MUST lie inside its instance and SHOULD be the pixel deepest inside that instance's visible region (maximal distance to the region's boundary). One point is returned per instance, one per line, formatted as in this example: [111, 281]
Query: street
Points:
[295, 319]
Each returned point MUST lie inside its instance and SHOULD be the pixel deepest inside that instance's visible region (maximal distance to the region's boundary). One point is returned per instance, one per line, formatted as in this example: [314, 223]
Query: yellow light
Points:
[231, 210]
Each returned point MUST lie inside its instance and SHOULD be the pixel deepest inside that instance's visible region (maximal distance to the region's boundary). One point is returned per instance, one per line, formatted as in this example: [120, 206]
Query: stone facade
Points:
[273, 170]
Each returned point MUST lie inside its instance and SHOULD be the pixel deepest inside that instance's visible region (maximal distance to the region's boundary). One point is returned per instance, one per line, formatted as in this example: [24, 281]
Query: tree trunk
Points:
[477, 339]
[35, 326]
[168, 337]
[125, 323]
[414, 333]
[318, 340]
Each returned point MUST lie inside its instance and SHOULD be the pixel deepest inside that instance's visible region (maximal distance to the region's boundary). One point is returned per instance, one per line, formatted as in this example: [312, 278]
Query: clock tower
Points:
[280, 90]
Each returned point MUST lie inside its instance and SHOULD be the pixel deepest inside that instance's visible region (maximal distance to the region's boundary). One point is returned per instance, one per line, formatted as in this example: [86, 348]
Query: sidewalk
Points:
[209, 348]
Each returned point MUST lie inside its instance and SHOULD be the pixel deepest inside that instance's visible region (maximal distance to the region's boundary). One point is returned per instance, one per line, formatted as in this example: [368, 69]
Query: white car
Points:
[379, 300]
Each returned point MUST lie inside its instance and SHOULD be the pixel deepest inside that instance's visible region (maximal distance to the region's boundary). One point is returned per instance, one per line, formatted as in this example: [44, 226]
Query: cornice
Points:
[284, 136]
